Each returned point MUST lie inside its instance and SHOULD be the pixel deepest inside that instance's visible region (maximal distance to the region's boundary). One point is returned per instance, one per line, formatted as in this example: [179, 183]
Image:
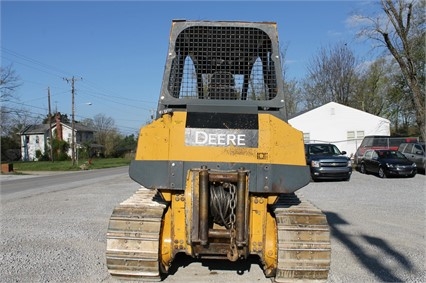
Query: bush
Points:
[44, 157]
[10, 149]
[38, 154]
[62, 157]
[60, 149]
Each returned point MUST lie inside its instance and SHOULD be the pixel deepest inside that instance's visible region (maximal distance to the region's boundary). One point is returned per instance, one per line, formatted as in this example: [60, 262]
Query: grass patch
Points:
[97, 163]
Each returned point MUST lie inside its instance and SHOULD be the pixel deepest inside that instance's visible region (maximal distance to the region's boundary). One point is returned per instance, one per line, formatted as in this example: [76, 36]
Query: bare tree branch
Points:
[331, 76]
[9, 82]
[401, 32]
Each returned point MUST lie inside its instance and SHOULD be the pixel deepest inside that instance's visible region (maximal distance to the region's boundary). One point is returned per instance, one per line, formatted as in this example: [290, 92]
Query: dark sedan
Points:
[385, 163]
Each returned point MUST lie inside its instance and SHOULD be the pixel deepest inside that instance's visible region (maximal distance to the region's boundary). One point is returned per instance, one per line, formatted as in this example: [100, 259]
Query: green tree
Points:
[112, 142]
[64, 118]
[401, 111]
[127, 144]
[372, 87]
[60, 150]
[105, 130]
[10, 149]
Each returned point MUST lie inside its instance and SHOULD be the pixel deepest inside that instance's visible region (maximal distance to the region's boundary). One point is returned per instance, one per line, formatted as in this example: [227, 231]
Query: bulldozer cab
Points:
[222, 63]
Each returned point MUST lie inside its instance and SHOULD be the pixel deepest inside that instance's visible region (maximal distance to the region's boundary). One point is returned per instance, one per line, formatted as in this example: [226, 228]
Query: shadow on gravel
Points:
[182, 260]
[373, 264]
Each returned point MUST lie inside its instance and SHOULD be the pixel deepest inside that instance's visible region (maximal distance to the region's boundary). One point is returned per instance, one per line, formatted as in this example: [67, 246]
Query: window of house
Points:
[360, 134]
[350, 135]
[37, 139]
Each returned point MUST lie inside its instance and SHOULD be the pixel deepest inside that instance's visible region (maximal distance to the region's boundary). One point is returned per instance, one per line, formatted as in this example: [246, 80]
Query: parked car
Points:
[380, 142]
[327, 162]
[416, 153]
[386, 162]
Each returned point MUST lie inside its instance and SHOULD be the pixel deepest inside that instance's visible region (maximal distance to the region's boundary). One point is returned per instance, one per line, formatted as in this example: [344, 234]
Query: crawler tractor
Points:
[219, 166]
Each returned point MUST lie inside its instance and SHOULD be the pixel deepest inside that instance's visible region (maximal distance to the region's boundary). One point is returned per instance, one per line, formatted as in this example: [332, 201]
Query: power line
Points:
[23, 104]
[116, 102]
[108, 93]
[33, 61]
[105, 95]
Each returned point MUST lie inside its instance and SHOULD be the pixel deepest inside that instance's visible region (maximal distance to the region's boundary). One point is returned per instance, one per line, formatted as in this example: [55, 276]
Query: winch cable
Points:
[220, 205]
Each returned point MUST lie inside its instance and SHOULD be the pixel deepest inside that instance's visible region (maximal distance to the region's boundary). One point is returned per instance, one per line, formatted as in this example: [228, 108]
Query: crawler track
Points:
[134, 233]
[304, 249]
[133, 237]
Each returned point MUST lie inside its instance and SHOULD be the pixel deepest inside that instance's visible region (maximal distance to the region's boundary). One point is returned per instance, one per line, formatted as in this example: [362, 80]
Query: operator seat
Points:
[222, 86]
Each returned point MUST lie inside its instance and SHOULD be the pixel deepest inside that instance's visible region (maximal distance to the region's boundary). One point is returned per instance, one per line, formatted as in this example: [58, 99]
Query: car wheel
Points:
[362, 169]
[382, 173]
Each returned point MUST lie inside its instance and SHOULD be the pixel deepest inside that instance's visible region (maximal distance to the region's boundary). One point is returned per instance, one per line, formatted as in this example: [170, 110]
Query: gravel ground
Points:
[377, 227]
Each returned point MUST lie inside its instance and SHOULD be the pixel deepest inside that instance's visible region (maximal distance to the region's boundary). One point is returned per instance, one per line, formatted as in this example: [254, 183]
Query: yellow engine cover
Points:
[279, 143]
[268, 147]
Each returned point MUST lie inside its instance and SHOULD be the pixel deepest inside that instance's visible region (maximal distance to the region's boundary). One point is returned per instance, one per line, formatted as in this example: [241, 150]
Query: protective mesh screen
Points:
[223, 62]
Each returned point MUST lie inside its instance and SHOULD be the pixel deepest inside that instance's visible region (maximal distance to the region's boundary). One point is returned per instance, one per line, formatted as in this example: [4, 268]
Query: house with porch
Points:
[35, 139]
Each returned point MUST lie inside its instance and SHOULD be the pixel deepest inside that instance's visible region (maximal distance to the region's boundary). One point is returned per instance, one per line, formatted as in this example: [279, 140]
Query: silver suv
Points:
[414, 152]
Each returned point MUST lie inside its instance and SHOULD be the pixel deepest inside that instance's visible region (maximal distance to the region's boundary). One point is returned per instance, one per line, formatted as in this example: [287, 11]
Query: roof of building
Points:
[35, 129]
[80, 127]
[332, 105]
[42, 128]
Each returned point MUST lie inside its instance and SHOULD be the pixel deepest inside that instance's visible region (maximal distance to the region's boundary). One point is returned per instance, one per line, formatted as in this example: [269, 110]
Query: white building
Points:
[339, 124]
[36, 138]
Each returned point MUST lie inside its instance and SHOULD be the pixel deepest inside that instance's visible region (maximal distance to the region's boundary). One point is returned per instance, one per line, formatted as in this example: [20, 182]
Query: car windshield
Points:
[390, 154]
[324, 149]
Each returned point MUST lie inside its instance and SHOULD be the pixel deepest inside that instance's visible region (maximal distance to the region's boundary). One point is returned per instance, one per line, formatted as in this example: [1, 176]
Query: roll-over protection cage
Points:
[223, 63]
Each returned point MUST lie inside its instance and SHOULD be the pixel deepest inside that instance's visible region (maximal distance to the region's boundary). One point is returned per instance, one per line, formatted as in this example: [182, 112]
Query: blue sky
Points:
[119, 48]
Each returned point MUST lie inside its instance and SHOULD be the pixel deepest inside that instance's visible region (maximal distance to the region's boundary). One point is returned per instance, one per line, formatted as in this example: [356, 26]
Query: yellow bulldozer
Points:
[219, 166]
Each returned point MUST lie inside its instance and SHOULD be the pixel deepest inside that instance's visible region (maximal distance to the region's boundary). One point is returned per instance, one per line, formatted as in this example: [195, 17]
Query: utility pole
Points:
[50, 124]
[72, 80]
